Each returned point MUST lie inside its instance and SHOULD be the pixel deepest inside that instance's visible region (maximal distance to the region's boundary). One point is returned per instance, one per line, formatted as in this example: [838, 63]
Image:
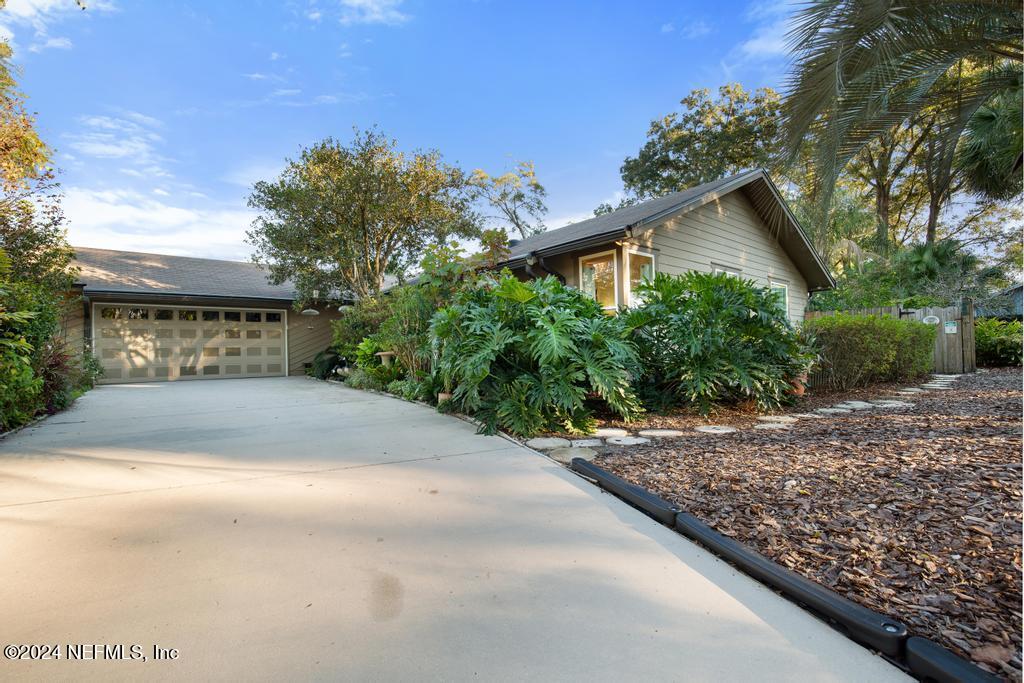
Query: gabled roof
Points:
[133, 272]
[633, 220]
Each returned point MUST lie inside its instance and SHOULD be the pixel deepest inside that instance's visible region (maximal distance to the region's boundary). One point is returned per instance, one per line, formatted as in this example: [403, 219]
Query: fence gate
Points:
[954, 343]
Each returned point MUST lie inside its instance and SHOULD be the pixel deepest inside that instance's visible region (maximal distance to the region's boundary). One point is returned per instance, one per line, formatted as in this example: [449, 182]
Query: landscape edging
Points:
[926, 659]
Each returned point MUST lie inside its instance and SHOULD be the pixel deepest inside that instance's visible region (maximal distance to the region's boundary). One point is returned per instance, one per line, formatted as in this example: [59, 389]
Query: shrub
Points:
[369, 362]
[409, 389]
[325, 363]
[997, 343]
[361, 379]
[528, 356]
[706, 339]
[857, 350]
[356, 324]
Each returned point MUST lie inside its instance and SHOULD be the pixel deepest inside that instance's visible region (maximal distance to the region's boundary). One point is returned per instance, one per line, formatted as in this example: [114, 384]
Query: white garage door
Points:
[145, 343]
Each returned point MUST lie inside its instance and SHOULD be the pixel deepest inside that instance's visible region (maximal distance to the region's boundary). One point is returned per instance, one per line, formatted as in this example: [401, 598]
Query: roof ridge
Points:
[156, 253]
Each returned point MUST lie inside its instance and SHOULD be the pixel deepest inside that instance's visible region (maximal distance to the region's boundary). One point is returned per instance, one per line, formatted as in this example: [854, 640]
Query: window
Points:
[211, 315]
[253, 317]
[273, 317]
[781, 289]
[110, 313]
[598, 275]
[232, 316]
[164, 314]
[728, 270]
[640, 266]
[186, 315]
[138, 314]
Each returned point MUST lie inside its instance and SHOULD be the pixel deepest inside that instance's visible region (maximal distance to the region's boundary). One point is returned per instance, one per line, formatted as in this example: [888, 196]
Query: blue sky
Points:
[162, 114]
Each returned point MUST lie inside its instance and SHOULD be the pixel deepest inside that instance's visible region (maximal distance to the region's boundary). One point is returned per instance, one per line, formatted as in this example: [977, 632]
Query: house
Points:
[155, 317]
[738, 225]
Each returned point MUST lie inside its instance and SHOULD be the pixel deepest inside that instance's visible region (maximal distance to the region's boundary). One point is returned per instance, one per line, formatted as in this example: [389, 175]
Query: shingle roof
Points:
[108, 270]
[619, 219]
[755, 184]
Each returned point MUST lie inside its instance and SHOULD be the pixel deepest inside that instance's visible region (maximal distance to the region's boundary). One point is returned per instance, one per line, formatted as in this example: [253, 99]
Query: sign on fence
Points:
[954, 343]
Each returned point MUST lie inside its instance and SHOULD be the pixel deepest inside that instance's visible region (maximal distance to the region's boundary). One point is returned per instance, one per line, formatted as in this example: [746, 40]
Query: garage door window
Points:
[110, 313]
[232, 316]
[164, 314]
[273, 317]
[188, 316]
[138, 314]
[251, 317]
[211, 315]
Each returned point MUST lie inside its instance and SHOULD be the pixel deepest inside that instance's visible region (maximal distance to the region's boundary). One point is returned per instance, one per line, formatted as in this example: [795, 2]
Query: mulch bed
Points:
[914, 512]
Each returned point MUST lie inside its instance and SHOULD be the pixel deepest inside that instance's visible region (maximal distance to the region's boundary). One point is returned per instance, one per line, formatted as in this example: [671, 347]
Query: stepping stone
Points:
[911, 390]
[777, 419]
[908, 393]
[547, 443]
[627, 440]
[935, 387]
[565, 455]
[587, 443]
[715, 429]
[605, 432]
[806, 416]
[659, 433]
[773, 425]
[893, 404]
[832, 411]
[854, 405]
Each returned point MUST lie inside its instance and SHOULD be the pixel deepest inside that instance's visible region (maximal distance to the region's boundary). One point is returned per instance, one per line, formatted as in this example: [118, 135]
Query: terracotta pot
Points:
[443, 396]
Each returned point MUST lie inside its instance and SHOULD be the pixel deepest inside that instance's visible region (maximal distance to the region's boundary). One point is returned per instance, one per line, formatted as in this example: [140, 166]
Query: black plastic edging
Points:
[863, 625]
[636, 495]
[929, 661]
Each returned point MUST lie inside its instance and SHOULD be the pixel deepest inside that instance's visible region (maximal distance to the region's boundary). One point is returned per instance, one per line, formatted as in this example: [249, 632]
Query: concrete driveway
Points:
[291, 529]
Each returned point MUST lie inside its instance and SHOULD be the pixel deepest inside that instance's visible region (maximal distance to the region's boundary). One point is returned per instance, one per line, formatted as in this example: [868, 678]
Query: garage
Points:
[139, 342]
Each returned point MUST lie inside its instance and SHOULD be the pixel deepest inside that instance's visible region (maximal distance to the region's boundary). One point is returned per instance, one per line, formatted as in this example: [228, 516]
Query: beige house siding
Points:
[73, 325]
[727, 232]
[308, 336]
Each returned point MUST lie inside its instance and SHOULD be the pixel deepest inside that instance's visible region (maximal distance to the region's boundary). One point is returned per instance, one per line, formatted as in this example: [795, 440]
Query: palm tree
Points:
[864, 67]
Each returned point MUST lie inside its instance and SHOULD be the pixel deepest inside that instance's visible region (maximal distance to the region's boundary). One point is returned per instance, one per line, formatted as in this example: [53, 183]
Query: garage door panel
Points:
[134, 342]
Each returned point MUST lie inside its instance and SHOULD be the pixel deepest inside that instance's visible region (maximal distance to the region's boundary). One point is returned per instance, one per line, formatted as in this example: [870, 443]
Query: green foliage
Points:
[517, 197]
[997, 343]
[356, 324]
[409, 389]
[325, 363]
[707, 140]
[361, 379]
[370, 363]
[857, 350]
[342, 216]
[529, 356]
[708, 339]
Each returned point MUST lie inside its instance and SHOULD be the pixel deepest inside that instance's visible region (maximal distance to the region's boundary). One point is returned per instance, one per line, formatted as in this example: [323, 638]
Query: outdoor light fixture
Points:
[309, 310]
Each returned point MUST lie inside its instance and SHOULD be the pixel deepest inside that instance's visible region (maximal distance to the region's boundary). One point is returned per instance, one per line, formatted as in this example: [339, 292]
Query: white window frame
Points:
[717, 268]
[615, 271]
[773, 284]
[627, 286]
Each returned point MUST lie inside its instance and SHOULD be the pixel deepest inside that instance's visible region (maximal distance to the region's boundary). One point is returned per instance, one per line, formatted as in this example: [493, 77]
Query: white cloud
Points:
[771, 19]
[256, 76]
[59, 43]
[695, 29]
[285, 92]
[161, 192]
[248, 173]
[668, 28]
[129, 138]
[124, 219]
[274, 56]
[372, 12]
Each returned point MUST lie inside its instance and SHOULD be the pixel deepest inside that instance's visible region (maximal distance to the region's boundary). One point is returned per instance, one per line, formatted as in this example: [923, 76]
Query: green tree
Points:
[516, 196]
[35, 238]
[990, 159]
[707, 140]
[342, 216]
[865, 67]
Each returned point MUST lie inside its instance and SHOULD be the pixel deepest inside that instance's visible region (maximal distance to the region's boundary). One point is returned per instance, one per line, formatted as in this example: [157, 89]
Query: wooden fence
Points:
[954, 343]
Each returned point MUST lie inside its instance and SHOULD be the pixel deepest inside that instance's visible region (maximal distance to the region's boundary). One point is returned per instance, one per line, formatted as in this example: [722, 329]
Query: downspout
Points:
[561, 278]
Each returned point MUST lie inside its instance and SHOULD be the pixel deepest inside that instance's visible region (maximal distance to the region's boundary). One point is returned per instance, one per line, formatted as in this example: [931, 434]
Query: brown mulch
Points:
[913, 512]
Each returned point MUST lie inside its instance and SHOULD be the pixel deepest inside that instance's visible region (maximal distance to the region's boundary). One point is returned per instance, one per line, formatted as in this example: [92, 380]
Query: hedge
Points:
[857, 350]
[997, 343]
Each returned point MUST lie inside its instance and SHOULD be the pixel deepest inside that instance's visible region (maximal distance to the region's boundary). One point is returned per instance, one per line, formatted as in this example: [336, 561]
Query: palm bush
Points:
[532, 356]
[706, 339]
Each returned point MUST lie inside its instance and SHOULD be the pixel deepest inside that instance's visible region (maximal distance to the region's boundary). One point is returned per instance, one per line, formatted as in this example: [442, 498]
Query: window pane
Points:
[641, 268]
[164, 314]
[211, 315]
[253, 317]
[273, 317]
[599, 278]
[233, 316]
[138, 314]
[110, 313]
[186, 315]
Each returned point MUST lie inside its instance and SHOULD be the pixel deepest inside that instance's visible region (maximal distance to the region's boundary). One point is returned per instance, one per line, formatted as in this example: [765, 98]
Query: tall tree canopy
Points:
[340, 217]
[707, 140]
[865, 67]
[517, 197]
